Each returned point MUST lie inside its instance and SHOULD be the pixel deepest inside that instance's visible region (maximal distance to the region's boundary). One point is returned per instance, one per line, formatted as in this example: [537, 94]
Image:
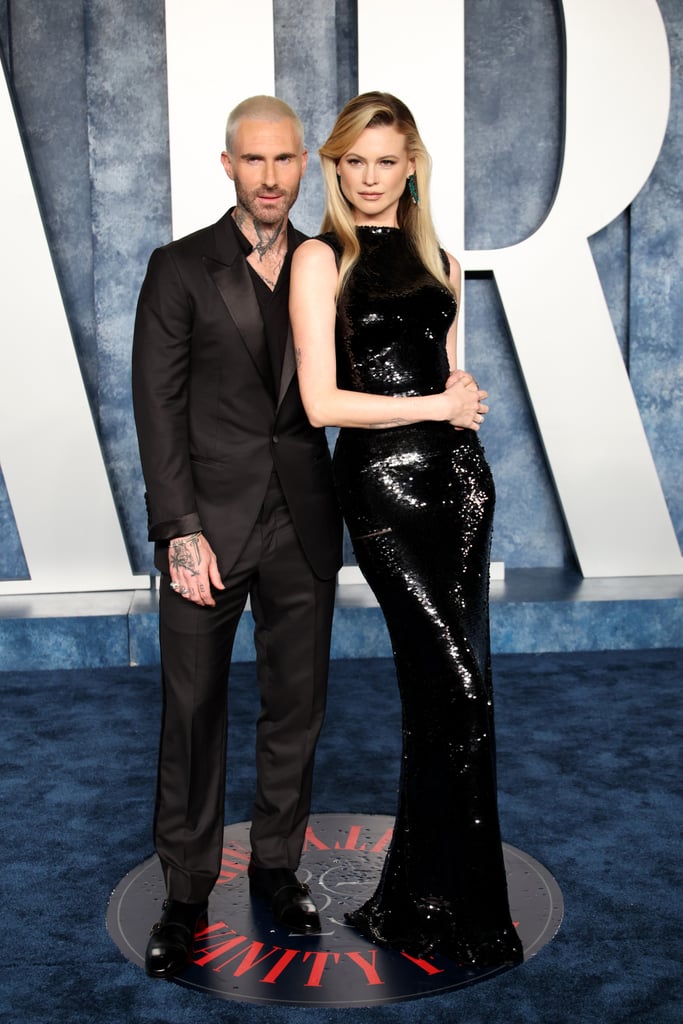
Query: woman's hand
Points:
[465, 401]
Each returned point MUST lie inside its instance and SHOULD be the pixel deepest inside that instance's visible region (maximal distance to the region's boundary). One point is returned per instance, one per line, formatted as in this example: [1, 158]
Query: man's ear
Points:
[227, 165]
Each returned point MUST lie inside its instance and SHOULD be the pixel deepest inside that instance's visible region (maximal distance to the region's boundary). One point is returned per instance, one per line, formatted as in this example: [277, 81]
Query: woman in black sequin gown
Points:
[374, 312]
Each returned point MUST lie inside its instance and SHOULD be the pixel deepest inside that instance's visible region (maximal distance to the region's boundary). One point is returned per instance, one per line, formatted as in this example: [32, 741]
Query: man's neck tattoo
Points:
[269, 238]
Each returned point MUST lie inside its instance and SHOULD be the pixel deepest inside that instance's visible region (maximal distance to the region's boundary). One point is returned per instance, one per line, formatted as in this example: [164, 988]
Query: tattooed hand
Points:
[193, 568]
[185, 554]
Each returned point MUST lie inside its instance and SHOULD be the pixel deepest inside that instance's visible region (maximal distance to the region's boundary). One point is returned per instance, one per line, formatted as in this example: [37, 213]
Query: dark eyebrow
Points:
[259, 156]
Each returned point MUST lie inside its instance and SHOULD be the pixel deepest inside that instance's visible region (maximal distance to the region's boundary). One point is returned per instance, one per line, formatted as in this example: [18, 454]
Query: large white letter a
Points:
[50, 453]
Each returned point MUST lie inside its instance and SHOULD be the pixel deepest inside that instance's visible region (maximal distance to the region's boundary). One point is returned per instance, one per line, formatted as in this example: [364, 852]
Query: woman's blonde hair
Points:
[373, 110]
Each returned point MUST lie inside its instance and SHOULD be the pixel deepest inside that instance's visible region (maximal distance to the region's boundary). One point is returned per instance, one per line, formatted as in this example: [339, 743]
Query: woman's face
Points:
[373, 175]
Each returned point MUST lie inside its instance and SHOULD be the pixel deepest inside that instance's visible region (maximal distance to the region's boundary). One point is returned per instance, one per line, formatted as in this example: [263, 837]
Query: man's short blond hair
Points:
[261, 108]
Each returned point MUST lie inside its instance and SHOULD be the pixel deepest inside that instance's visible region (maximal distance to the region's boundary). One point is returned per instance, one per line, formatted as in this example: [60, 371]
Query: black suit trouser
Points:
[292, 611]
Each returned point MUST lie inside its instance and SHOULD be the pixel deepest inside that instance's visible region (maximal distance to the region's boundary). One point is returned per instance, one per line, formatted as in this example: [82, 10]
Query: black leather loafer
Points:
[289, 900]
[172, 938]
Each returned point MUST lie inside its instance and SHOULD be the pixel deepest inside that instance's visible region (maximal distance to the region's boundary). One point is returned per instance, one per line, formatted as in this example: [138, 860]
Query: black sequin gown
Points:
[418, 501]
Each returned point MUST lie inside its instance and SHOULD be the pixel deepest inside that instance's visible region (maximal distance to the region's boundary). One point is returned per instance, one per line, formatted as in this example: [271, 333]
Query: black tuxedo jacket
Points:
[209, 428]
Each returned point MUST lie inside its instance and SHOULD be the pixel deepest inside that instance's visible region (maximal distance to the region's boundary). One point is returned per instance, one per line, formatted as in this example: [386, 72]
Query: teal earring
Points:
[412, 188]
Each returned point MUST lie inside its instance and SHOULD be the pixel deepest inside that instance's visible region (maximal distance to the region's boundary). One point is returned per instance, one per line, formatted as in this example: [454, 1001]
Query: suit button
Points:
[276, 439]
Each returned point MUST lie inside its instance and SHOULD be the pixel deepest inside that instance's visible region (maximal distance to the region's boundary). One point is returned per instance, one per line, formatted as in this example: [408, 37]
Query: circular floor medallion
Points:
[243, 955]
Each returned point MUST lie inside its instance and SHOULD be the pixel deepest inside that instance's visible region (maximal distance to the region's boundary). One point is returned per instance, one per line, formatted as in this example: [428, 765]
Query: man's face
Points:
[266, 165]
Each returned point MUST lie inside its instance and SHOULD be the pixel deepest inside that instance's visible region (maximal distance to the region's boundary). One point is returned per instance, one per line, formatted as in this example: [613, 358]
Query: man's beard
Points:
[264, 213]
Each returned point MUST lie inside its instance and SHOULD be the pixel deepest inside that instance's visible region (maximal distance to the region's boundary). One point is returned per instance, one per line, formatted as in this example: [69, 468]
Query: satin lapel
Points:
[295, 238]
[237, 291]
[288, 368]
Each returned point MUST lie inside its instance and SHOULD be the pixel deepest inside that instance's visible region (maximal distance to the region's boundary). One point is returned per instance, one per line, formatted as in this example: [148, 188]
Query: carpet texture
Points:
[590, 785]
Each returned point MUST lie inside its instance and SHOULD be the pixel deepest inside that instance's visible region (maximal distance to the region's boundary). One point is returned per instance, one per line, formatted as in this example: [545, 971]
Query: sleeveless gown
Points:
[418, 501]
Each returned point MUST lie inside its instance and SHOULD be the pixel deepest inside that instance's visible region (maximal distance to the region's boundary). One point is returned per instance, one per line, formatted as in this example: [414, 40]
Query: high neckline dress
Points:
[418, 501]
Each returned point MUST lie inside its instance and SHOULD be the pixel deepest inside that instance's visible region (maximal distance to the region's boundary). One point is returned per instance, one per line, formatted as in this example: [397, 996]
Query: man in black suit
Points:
[240, 504]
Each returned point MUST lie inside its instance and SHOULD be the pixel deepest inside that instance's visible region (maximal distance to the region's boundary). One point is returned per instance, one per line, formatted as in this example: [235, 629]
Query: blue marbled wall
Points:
[655, 306]
[88, 79]
[93, 110]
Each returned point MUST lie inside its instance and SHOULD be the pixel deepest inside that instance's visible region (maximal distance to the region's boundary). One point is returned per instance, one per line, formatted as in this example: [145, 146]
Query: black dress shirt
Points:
[274, 305]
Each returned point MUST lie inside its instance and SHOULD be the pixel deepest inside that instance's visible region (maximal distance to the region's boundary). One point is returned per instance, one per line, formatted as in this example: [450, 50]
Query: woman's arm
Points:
[312, 309]
[455, 275]
[456, 376]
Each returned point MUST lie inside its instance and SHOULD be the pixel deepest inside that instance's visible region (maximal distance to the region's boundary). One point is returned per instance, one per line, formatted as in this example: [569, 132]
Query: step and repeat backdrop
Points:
[556, 131]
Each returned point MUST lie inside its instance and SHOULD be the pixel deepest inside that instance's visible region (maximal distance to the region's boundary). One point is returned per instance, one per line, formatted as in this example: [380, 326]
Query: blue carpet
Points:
[590, 785]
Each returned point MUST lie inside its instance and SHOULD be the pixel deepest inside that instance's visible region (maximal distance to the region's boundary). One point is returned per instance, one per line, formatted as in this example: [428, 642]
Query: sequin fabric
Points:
[418, 501]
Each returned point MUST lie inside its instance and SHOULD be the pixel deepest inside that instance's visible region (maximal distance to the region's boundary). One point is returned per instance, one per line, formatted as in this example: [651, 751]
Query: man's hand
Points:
[193, 568]
[470, 411]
